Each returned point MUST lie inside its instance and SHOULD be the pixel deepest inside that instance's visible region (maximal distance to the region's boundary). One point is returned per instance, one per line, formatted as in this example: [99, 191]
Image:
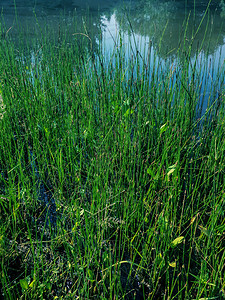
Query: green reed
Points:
[135, 166]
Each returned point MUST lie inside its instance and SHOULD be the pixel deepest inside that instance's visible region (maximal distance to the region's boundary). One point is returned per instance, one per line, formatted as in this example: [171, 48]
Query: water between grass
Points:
[153, 28]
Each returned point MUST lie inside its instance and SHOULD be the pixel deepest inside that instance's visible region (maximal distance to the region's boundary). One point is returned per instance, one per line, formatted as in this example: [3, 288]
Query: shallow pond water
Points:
[163, 22]
[160, 24]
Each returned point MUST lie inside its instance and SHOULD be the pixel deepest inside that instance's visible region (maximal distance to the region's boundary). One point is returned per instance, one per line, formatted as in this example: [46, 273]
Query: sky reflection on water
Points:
[162, 25]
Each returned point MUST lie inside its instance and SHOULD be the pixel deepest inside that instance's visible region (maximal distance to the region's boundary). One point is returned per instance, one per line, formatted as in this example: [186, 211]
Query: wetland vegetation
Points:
[111, 169]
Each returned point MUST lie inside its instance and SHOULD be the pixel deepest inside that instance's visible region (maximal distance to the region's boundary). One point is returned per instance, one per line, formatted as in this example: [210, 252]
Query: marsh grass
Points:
[135, 167]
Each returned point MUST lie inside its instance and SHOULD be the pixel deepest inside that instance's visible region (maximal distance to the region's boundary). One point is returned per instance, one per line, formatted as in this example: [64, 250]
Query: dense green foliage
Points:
[133, 163]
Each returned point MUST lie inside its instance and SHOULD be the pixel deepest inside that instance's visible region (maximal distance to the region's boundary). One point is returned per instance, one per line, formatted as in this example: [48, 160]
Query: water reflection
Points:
[163, 22]
[165, 25]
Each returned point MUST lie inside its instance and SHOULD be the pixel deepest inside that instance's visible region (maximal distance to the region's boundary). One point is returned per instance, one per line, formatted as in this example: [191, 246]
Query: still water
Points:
[158, 25]
[163, 21]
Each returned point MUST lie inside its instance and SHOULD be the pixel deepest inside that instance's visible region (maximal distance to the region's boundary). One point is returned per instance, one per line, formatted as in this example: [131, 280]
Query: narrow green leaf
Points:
[129, 111]
[204, 230]
[173, 264]
[24, 284]
[171, 171]
[177, 241]
[163, 128]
